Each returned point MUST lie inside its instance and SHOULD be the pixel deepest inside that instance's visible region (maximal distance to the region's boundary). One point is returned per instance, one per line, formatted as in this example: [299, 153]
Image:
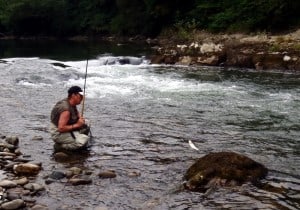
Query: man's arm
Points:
[63, 123]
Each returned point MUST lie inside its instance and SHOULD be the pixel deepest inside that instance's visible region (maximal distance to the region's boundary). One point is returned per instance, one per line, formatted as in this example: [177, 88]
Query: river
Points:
[142, 118]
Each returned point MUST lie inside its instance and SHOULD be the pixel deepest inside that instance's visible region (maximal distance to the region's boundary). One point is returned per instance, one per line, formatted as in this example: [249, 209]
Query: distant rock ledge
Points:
[260, 52]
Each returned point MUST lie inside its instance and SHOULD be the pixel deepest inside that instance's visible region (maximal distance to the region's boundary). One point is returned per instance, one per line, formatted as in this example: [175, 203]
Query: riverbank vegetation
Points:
[65, 18]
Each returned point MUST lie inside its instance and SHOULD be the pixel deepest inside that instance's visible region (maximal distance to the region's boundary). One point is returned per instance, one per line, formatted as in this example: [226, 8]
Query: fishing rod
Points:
[83, 101]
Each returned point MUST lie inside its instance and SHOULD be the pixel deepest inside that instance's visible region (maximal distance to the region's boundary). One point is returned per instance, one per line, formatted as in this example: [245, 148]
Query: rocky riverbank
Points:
[260, 52]
[19, 188]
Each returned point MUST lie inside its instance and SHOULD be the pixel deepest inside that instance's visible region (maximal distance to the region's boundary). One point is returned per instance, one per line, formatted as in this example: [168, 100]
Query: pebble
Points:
[34, 187]
[49, 181]
[57, 175]
[29, 200]
[39, 207]
[107, 174]
[37, 138]
[75, 170]
[88, 172]
[14, 140]
[80, 180]
[18, 151]
[7, 154]
[6, 150]
[134, 174]
[27, 169]
[9, 166]
[21, 181]
[16, 193]
[14, 204]
[69, 174]
[7, 146]
[60, 156]
[7, 184]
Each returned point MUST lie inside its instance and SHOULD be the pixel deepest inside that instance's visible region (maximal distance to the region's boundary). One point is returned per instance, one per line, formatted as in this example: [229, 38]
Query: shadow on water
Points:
[68, 50]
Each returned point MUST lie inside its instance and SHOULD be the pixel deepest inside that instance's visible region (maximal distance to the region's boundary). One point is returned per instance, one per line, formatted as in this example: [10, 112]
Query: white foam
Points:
[132, 79]
[30, 84]
[20, 58]
[123, 80]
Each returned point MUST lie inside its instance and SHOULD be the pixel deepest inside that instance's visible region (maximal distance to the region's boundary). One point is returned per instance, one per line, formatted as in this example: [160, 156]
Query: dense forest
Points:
[63, 18]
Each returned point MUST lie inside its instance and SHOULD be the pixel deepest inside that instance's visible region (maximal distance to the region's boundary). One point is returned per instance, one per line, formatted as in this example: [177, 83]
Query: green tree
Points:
[144, 17]
[3, 16]
[90, 16]
[130, 18]
[245, 15]
[34, 17]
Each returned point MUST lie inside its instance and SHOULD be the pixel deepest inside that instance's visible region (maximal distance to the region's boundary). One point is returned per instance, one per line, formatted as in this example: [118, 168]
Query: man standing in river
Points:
[68, 129]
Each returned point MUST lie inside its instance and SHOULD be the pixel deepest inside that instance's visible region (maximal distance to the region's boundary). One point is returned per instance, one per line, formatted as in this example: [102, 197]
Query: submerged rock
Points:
[60, 65]
[37, 138]
[80, 180]
[57, 175]
[110, 60]
[134, 174]
[223, 168]
[61, 156]
[75, 170]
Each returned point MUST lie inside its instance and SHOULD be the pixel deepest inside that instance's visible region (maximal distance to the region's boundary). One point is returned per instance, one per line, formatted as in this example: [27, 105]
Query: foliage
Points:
[33, 17]
[245, 15]
[184, 29]
[274, 48]
[144, 17]
[129, 19]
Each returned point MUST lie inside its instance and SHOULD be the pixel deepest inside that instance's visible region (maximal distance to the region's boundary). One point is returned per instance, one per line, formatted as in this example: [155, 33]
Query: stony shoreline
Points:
[260, 52]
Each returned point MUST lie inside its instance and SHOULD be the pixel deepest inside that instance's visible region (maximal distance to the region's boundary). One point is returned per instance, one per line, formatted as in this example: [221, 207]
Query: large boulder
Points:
[223, 168]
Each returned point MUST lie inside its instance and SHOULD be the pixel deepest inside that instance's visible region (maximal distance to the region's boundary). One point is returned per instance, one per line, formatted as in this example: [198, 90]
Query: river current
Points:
[142, 118]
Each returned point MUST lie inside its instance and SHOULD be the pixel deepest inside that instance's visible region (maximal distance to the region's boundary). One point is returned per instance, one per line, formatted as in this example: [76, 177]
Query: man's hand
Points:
[80, 122]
